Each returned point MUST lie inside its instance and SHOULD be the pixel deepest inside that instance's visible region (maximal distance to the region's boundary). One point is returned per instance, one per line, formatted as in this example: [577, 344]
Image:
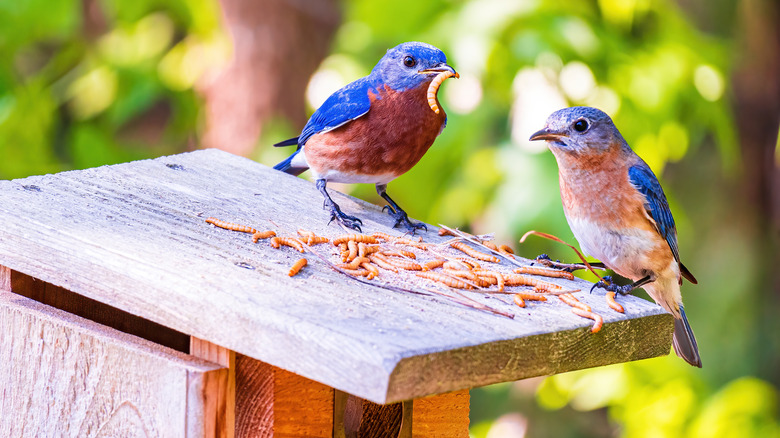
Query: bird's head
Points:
[410, 64]
[579, 130]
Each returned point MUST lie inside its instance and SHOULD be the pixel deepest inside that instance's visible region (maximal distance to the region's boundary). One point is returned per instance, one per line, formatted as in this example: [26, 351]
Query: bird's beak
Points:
[440, 68]
[546, 134]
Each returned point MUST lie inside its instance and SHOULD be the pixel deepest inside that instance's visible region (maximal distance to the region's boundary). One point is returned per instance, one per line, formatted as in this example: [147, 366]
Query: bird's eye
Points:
[409, 61]
[580, 125]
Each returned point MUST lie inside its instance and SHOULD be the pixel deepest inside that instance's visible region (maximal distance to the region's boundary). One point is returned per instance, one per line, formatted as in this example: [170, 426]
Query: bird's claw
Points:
[401, 217]
[607, 283]
[344, 219]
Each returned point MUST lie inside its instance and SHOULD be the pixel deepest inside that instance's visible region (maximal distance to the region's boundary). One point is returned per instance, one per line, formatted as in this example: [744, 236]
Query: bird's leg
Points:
[397, 213]
[606, 283]
[335, 212]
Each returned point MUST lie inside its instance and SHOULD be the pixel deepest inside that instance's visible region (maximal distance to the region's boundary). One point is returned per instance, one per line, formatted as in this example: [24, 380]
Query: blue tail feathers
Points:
[287, 166]
[684, 341]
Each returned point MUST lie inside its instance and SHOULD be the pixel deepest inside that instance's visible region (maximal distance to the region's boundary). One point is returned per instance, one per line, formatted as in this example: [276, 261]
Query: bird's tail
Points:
[288, 166]
[684, 341]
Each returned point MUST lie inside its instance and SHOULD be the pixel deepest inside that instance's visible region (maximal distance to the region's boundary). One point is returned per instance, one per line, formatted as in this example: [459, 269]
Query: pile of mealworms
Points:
[455, 265]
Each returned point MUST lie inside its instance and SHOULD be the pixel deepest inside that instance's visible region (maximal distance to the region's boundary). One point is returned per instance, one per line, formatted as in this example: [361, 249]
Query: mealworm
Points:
[364, 250]
[403, 241]
[312, 239]
[355, 237]
[400, 253]
[433, 264]
[490, 245]
[404, 264]
[522, 280]
[531, 297]
[456, 265]
[614, 304]
[353, 250]
[305, 234]
[544, 272]
[446, 279]
[316, 240]
[445, 232]
[493, 275]
[574, 302]
[472, 263]
[506, 249]
[342, 247]
[287, 241]
[598, 321]
[357, 272]
[474, 253]
[470, 276]
[230, 225]
[519, 300]
[355, 263]
[434, 87]
[543, 286]
[378, 260]
[382, 236]
[369, 267]
[260, 235]
[297, 267]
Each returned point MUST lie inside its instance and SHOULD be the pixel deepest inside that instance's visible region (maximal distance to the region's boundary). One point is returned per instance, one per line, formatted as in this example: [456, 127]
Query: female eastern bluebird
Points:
[619, 213]
[374, 129]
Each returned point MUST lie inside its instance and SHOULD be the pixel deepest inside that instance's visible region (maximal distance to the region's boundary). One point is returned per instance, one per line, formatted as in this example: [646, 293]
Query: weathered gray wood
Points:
[133, 236]
[62, 375]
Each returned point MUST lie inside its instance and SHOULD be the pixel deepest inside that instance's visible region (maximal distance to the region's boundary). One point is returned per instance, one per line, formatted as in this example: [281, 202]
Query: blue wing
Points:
[655, 203]
[343, 106]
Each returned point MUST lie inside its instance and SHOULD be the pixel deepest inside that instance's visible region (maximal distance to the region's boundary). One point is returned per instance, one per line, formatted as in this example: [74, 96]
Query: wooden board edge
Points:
[515, 359]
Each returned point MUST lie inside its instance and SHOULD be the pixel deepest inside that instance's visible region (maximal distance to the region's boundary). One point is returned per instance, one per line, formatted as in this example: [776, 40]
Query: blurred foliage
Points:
[71, 99]
[76, 94]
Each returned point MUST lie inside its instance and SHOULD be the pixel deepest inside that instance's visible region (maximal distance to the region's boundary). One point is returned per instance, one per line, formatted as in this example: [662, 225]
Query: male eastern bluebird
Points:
[374, 129]
[619, 213]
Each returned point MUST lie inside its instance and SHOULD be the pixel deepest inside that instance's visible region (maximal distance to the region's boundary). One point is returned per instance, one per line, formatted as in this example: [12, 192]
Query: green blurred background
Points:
[693, 85]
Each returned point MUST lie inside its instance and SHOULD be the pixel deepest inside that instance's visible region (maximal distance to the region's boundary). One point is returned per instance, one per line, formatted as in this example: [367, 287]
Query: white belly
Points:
[625, 250]
[351, 178]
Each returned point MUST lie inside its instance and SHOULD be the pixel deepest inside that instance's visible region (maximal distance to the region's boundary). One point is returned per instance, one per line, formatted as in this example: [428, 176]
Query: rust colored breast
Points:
[390, 139]
[598, 189]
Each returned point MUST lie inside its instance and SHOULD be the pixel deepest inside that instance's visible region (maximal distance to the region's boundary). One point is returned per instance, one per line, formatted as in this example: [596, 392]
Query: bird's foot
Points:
[401, 218]
[607, 283]
[346, 220]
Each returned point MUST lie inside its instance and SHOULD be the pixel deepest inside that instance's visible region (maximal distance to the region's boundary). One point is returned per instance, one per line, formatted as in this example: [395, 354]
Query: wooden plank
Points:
[225, 399]
[366, 419]
[66, 376]
[133, 236]
[442, 416]
[271, 402]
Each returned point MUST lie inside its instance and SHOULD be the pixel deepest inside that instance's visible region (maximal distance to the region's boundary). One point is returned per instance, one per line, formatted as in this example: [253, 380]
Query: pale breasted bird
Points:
[618, 212]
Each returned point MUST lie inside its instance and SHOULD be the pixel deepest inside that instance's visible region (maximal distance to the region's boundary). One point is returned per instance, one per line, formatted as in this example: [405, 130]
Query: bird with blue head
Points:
[374, 129]
[618, 212]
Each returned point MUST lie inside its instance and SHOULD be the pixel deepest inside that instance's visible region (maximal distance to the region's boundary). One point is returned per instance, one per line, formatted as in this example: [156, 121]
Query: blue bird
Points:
[374, 129]
[618, 212]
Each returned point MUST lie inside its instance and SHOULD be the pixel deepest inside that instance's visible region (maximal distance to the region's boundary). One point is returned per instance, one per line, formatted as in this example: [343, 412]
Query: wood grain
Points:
[366, 419]
[271, 402]
[223, 397]
[441, 416]
[66, 376]
[133, 236]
